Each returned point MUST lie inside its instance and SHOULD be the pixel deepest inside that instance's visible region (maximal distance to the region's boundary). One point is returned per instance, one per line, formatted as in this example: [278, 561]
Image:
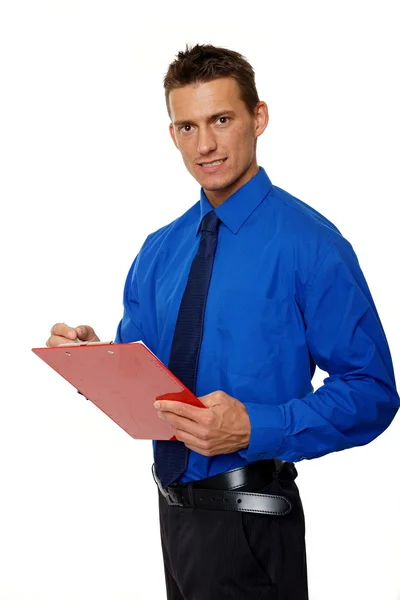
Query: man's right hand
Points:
[63, 334]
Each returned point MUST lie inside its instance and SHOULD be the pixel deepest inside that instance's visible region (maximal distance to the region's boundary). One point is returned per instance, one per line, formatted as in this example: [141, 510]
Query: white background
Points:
[87, 171]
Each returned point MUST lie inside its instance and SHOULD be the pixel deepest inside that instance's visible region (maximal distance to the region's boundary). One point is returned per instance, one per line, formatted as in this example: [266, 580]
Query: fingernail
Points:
[161, 415]
[157, 405]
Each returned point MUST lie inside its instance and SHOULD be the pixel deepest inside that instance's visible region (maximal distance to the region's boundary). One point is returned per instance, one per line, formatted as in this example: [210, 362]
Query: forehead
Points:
[199, 100]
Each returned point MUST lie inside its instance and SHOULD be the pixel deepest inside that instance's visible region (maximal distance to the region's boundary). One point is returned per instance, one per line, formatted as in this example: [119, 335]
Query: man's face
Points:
[216, 135]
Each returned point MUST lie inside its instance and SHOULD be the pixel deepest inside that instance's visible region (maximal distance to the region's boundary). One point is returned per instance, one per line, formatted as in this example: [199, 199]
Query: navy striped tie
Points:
[171, 457]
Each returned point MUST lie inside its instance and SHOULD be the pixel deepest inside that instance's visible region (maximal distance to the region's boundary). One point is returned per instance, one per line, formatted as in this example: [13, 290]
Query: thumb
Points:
[86, 333]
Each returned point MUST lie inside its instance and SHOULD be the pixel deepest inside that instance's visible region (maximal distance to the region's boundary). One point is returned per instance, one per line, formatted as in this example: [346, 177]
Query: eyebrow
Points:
[221, 113]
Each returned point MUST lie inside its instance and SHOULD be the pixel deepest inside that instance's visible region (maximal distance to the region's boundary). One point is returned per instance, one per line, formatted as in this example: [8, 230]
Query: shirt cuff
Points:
[267, 432]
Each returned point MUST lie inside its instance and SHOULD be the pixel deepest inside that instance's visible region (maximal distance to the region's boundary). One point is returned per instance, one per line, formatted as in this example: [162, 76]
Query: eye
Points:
[187, 128]
[223, 120]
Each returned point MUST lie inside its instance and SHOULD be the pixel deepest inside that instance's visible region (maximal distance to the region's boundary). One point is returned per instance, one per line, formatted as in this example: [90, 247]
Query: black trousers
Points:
[230, 555]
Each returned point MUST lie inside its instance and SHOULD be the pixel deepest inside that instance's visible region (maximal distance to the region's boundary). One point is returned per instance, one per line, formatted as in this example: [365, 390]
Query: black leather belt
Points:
[221, 492]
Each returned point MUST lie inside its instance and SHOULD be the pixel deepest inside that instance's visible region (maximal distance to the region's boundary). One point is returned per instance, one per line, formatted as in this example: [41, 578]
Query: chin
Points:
[217, 185]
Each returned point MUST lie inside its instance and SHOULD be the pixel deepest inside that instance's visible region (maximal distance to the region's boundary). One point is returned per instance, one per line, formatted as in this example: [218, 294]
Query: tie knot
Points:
[210, 222]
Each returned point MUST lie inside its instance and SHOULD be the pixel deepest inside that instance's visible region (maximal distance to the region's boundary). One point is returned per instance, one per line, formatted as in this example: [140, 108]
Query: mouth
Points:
[212, 166]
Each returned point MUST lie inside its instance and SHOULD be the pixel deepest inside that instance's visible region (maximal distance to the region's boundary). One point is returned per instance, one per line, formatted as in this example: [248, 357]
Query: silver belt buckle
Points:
[170, 500]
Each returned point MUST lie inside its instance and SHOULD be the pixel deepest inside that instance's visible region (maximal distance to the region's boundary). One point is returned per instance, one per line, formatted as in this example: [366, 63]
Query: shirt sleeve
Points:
[130, 327]
[345, 338]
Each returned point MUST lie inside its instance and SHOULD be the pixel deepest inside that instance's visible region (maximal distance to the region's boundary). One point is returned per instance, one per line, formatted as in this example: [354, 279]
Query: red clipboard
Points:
[123, 380]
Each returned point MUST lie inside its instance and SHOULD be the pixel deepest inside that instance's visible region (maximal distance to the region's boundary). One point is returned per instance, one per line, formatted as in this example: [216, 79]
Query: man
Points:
[242, 296]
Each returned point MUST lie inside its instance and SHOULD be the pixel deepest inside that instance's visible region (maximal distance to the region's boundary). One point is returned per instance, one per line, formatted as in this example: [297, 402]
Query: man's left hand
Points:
[221, 428]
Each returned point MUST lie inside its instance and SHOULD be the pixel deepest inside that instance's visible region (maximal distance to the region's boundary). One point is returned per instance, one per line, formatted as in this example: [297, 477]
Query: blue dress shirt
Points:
[286, 294]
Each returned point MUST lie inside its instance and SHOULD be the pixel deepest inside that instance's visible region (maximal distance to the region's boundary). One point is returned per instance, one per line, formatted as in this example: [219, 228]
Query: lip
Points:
[215, 168]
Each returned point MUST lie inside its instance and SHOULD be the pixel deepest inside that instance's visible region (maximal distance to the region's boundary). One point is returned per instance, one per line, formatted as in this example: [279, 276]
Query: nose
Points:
[206, 142]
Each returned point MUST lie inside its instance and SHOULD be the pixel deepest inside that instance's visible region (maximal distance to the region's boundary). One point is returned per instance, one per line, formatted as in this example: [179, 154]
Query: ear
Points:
[261, 118]
[172, 134]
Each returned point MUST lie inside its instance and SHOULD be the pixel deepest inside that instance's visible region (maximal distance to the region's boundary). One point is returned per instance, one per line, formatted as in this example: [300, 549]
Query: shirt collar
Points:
[238, 207]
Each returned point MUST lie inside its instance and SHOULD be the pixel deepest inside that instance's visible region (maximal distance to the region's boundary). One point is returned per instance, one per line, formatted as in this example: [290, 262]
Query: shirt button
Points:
[261, 455]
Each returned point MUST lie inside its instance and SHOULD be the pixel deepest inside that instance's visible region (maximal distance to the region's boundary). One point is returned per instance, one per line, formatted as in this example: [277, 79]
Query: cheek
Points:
[246, 138]
[187, 160]
[187, 150]
[238, 141]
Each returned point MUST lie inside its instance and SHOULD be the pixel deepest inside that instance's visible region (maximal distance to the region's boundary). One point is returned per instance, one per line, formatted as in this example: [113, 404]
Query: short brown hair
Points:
[203, 63]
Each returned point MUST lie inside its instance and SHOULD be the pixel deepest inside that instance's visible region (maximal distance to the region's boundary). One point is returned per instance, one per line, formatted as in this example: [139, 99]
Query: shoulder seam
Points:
[308, 217]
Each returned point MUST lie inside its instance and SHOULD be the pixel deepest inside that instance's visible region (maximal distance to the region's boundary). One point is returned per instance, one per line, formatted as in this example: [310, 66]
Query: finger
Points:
[192, 438]
[56, 340]
[86, 333]
[187, 425]
[202, 451]
[63, 330]
[196, 447]
[181, 409]
[83, 332]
